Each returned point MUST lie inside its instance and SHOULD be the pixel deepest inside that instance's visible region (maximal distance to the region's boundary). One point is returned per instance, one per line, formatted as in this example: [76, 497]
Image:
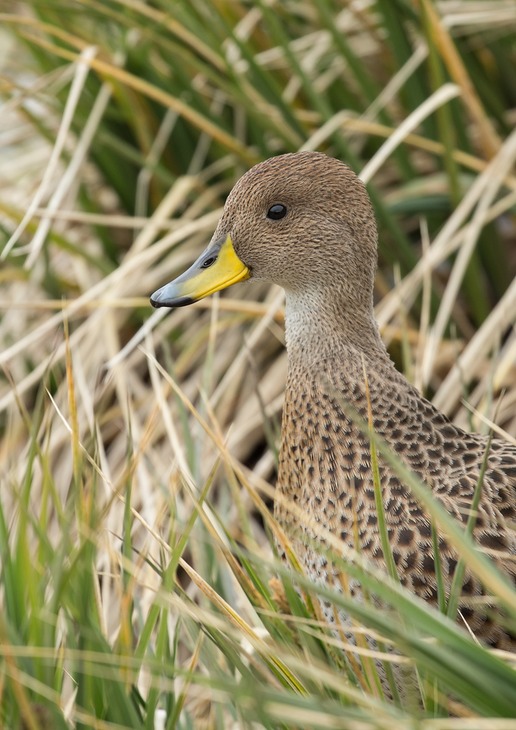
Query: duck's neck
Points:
[320, 325]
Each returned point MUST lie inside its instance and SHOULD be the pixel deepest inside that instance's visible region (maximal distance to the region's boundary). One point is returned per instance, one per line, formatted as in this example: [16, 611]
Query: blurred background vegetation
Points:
[138, 448]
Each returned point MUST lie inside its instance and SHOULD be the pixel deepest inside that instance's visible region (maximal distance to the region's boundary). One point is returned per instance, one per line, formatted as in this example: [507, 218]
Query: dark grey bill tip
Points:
[172, 303]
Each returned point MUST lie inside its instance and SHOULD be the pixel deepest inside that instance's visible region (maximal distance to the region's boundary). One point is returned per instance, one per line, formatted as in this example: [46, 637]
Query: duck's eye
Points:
[208, 262]
[277, 211]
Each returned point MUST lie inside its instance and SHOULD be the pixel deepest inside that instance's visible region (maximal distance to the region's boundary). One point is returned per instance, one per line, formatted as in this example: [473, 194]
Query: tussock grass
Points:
[138, 447]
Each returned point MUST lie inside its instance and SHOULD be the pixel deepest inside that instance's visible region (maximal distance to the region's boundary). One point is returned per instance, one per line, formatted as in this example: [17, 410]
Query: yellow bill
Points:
[216, 268]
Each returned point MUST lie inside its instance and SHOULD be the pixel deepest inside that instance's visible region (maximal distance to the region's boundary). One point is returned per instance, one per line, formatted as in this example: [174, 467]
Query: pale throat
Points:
[319, 324]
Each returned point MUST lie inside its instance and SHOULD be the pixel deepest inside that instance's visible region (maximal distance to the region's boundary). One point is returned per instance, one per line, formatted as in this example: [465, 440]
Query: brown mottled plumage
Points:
[323, 252]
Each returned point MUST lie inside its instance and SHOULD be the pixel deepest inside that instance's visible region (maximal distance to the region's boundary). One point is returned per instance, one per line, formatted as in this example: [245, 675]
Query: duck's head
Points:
[303, 221]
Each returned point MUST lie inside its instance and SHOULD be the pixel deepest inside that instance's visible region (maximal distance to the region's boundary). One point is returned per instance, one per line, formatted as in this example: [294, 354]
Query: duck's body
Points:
[305, 222]
[325, 471]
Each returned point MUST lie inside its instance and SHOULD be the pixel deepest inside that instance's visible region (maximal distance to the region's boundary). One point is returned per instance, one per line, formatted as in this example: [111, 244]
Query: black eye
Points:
[208, 262]
[277, 211]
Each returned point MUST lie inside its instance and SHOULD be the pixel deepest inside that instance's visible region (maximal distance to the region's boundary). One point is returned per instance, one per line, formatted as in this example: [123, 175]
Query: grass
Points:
[138, 448]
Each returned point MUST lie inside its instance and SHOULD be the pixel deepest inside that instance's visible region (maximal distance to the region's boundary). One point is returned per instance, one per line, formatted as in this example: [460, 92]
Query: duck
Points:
[305, 221]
